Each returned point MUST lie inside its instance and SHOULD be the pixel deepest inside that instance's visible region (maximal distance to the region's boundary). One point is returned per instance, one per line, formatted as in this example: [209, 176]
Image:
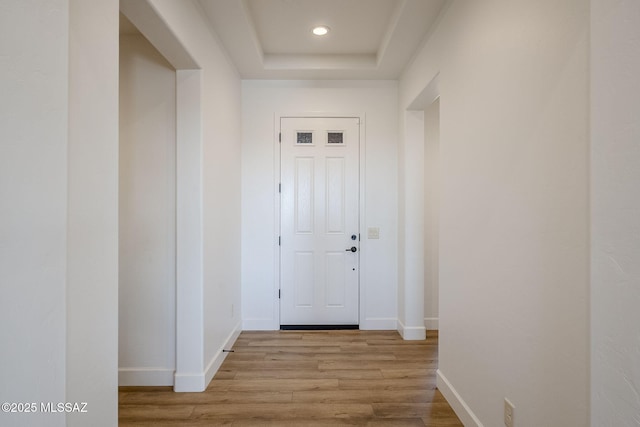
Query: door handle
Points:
[352, 249]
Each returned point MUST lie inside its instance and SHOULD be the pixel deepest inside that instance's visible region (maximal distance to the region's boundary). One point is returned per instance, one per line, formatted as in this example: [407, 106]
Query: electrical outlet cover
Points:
[508, 413]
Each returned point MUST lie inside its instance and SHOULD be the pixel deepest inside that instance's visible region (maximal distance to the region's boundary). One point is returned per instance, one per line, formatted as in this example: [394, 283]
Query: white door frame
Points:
[276, 197]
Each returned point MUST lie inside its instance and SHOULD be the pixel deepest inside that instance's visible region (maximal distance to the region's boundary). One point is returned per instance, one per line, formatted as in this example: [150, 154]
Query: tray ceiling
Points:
[368, 39]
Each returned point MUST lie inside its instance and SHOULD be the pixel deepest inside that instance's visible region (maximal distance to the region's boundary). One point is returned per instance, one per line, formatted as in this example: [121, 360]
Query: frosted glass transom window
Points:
[305, 138]
[335, 138]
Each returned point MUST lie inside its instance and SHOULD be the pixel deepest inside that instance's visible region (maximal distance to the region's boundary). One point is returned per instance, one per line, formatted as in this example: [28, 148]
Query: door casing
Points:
[276, 192]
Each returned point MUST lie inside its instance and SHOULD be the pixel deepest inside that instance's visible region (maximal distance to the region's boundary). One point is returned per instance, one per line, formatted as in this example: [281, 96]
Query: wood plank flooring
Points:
[306, 378]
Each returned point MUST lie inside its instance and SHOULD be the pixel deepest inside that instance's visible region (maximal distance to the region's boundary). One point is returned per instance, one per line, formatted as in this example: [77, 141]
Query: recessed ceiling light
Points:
[320, 30]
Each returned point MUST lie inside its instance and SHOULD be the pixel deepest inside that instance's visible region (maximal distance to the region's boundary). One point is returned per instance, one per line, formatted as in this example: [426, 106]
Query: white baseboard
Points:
[379, 324]
[431, 323]
[220, 355]
[260, 325]
[199, 381]
[184, 383]
[410, 333]
[145, 377]
[458, 404]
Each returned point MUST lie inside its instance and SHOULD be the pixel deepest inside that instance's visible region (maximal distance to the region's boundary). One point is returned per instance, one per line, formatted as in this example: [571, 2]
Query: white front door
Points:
[319, 248]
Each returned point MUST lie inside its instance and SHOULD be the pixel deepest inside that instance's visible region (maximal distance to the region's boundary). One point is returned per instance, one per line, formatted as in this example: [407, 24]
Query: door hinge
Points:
[279, 187]
[279, 136]
[279, 294]
[279, 241]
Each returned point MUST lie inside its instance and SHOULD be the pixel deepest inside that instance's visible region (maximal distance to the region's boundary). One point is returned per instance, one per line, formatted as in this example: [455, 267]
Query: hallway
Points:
[533, 180]
[307, 378]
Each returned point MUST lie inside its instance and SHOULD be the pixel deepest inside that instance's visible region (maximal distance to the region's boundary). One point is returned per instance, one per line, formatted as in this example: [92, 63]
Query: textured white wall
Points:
[261, 102]
[615, 210]
[33, 205]
[514, 248]
[92, 245]
[147, 274]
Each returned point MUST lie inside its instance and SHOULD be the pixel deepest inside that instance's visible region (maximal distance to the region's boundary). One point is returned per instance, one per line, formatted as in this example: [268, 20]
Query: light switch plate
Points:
[373, 233]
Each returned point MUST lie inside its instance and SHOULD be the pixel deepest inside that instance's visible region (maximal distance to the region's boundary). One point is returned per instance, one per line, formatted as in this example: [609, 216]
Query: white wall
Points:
[262, 100]
[59, 208]
[221, 179]
[92, 246]
[514, 286]
[411, 227]
[615, 210]
[33, 205]
[147, 276]
[210, 304]
[431, 213]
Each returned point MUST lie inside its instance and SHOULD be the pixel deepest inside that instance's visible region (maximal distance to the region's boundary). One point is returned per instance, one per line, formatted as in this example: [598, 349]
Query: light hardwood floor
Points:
[315, 378]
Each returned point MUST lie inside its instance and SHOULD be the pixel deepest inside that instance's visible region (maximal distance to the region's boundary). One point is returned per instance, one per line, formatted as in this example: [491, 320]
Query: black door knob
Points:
[352, 249]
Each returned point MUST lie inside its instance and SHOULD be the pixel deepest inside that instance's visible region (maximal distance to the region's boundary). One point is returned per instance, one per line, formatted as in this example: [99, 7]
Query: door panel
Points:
[304, 195]
[319, 214]
[335, 284]
[335, 195]
[304, 278]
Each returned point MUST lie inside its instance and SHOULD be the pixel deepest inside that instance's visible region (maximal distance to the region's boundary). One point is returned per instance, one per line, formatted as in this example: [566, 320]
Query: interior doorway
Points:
[147, 213]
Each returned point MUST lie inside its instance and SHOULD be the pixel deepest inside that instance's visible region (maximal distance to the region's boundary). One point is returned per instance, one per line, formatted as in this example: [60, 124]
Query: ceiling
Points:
[368, 39]
[126, 27]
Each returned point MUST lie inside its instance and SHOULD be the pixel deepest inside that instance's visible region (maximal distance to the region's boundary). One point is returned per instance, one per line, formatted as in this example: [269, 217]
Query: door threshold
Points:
[317, 327]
